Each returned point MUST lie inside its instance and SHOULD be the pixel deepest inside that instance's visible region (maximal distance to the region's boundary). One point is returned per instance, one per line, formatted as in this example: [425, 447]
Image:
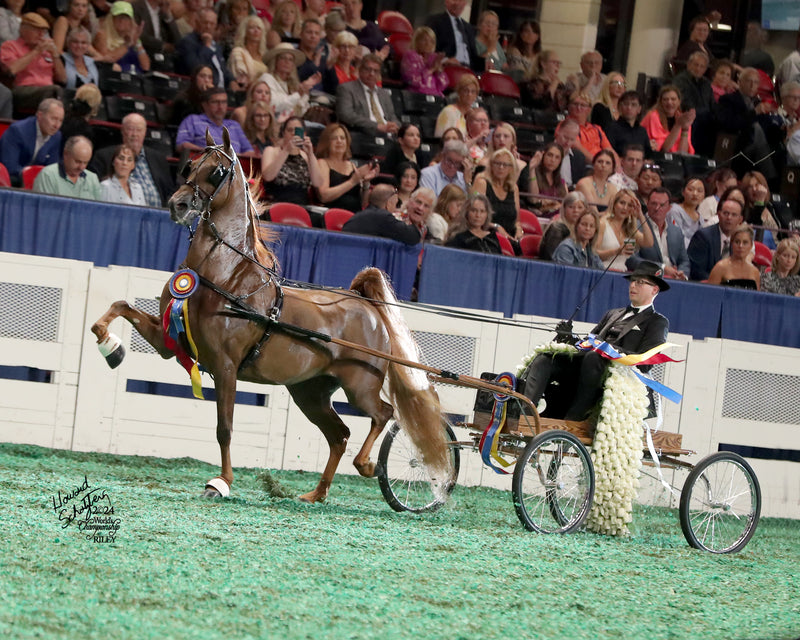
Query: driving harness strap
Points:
[242, 308]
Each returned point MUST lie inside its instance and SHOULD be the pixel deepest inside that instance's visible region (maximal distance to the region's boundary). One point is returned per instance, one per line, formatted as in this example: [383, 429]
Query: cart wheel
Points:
[553, 483]
[403, 479]
[720, 503]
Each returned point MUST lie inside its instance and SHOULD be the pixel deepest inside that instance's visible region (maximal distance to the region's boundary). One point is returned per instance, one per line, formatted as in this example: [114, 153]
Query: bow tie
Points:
[630, 309]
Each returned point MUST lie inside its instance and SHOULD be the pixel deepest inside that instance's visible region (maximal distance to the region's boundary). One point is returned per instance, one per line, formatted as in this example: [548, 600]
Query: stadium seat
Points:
[496, 83]
[5, 179]
[288, 213]
[763, 256]
[335, 218]
[164, 87]
[505, 245]
[530, 223]
[697, 166]
[400, 43]
[366, 147]
[29, 174]
[766, 89]
[529, 245]
[5, 123]
[507, 110]
[454, 72]
[391, 22]
[421, 103]
[114, 82]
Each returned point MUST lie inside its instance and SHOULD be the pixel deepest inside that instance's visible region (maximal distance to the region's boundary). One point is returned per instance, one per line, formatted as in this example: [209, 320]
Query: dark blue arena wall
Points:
[136, 236]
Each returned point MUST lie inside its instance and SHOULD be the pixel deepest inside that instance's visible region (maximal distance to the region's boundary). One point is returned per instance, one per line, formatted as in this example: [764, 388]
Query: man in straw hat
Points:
[32, 58]
[634, 329]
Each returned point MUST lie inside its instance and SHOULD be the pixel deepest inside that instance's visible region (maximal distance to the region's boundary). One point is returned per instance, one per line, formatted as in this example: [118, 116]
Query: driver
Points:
[633, 329]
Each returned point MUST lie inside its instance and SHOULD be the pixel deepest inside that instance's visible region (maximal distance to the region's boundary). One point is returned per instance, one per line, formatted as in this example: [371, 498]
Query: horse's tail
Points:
[413, 397]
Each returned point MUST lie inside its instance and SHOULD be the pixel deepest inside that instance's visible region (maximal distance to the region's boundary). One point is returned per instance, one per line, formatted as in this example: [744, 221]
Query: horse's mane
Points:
[263, 235]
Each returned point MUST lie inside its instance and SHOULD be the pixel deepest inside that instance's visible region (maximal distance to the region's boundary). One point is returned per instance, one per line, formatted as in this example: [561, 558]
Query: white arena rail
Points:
[734, 393]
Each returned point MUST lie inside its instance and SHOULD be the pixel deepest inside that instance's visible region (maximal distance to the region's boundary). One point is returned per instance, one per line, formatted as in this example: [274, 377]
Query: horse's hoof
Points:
[112, 350]
[217, 488]
[311, 498]
[378, 471]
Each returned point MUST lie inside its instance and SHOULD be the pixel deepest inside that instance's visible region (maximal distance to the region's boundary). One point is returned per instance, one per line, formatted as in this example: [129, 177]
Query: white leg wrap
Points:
[109, 344]
[220, 485]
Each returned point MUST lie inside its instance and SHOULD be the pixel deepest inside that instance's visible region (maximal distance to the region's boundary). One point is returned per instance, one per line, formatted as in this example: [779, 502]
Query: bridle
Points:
[217, 179]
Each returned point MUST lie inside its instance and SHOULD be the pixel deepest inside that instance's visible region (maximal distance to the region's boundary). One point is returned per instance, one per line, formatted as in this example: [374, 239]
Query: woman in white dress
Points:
[119, 188]
[622, 226]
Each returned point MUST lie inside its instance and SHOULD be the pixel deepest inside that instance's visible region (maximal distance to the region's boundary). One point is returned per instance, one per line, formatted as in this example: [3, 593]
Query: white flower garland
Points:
[617, 451]
[617, 445]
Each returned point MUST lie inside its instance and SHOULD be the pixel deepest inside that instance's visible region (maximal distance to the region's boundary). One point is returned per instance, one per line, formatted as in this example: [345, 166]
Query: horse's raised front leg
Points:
[313, 397]
[225, 386]
[146, 324]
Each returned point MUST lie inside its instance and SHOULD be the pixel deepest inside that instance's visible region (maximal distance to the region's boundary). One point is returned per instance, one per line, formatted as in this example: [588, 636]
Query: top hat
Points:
[649, 271]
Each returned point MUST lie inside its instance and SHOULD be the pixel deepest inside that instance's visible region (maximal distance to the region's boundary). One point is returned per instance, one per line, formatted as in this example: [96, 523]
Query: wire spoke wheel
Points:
[553, 483]
[720, 504]
[403, 478]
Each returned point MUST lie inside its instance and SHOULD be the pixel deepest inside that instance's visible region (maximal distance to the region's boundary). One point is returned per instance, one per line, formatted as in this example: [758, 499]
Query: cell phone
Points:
[299, 132]
[374, 162]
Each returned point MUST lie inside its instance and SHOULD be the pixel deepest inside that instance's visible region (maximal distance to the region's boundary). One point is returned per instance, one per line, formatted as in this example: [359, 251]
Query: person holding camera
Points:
[290, 167]
[343, 184]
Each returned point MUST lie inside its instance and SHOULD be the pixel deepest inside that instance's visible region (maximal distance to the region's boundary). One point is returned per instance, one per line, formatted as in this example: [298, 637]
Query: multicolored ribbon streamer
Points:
[652, 356]
[491, 435]
[174, 323]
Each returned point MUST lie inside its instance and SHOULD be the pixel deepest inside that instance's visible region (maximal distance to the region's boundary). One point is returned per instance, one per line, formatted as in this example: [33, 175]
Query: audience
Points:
[259, 126]
[784, 278]
[455, 115]
[713, 243]
[573, 168]
[717, 183]
[499, 184]
[201, 48]
[367, 31]
[151, 170]
[591, 138]
[69, 176]
[735, 269]
[407, 175]
[455, 37]
[753, 54]
[622, 230]
[589, 79]
[377, 219]
[668, 249]
[406, 148]
[78, 16]
[190, 100]
[342, 182]
[249, 46]
[117, 41]
[474, 229]
[258, 91]
[290, 167]
[722, 78]
[630, 167]
[363, 105]
[562, 224]
[758, 208]
[79, 66]
[577, 250]
[119, 188]
[286, 23]
[33, 60]
[597, 186]
[450, 170]
[160, 31]
[625, 131]
[546, 180]
[487, 42]
[192, 131]
[789, 69]
[545, 90]
[318, 60]
[288, 93]
[686, 216]
[445, 212]
[697, 94]
[606, 109]
[35, 140]
[11, 17]
[504, 136]
[347, 54]
[525, 46]
[422, 67]
[699, 30]
[669, 128]
[82, 108]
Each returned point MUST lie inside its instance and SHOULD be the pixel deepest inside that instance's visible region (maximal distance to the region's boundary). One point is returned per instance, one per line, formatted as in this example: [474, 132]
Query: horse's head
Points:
[205, 176]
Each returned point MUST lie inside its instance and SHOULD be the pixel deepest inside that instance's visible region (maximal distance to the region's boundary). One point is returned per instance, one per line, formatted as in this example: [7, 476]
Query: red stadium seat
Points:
[496, 83]
[529, 245]
[505, 245]
[763, 257]
[335, 218]
[394, 22]
[400, 43]
[766, 89]
[5, 179]
[288, 213]
[454, 73]
[530, 223]
[29, 175]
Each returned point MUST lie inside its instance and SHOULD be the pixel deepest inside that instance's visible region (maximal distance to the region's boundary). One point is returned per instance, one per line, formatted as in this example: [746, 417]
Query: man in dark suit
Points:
[364, 106]
[567, 137]
[377, 220]
[455, 37]
[633, 329]
[669, 248]
[710, 244]
[151, 171]
[199, 47]
[160, 32]
[34, 140]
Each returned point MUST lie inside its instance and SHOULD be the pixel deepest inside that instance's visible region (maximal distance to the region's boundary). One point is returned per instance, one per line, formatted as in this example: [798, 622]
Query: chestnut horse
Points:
[236, 270]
